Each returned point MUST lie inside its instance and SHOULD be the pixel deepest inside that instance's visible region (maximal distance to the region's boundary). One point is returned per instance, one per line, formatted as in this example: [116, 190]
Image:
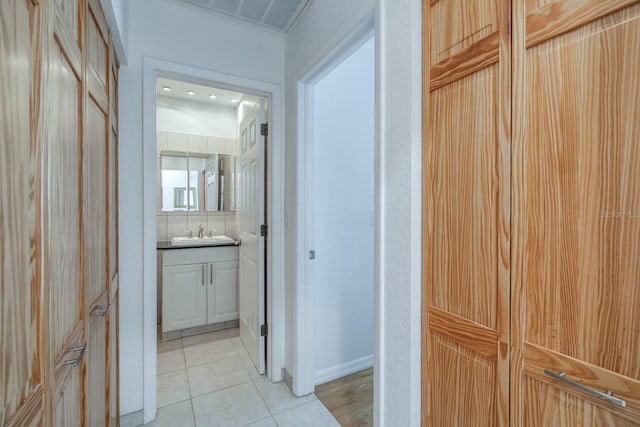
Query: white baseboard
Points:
[339, 371]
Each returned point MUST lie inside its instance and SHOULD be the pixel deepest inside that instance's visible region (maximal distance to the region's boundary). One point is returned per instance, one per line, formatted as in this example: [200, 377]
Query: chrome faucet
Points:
[201, 231]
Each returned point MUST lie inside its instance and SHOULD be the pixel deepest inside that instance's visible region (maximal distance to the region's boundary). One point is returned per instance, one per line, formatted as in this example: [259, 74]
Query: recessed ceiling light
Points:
[212, 96]
[190, 92]
[233, 100]
[166, 88]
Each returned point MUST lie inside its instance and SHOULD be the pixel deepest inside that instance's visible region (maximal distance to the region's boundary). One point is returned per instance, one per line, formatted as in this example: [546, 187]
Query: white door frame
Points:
[303, 349]
[153, 68]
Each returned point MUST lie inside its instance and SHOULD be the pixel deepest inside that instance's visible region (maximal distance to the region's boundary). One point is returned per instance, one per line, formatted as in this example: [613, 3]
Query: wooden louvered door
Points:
[21, 350]
[96, 198]
[466, 213]
[62, 212]
[576, 228]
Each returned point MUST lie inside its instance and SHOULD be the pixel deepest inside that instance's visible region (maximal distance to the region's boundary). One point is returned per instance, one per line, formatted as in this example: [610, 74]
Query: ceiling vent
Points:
[278, 14]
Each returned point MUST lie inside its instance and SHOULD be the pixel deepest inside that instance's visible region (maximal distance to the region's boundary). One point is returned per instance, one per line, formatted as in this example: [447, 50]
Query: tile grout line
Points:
[193, 411]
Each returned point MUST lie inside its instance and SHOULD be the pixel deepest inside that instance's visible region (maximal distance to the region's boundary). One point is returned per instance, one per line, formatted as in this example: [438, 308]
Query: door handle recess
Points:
[75, 362]
[204, 274]
[211, 274]
[606, 395]
[100, 311]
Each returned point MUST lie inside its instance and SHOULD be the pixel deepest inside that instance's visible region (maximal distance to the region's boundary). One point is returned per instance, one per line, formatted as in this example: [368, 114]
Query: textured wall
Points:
[319, 30]
[398, 31]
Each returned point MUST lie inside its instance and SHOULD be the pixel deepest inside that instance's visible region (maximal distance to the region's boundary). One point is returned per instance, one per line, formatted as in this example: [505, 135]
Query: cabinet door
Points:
[222, 295]
[184, 297]
[576, 213]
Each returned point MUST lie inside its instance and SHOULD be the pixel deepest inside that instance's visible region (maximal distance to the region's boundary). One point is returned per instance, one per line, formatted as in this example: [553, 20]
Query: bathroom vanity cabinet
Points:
[199, 287]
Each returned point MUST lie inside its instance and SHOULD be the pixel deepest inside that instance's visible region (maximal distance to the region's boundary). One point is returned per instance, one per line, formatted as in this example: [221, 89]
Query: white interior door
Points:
[251, 209]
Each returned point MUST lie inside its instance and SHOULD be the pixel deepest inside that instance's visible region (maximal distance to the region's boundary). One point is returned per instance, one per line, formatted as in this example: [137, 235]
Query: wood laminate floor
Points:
[349, 399]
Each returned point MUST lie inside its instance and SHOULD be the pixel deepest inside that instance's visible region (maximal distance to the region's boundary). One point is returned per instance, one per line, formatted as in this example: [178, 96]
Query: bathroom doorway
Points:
[210, 204]
[206, 207]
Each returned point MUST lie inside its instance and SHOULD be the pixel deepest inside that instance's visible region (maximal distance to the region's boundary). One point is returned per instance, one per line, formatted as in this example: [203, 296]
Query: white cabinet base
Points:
[199, 290]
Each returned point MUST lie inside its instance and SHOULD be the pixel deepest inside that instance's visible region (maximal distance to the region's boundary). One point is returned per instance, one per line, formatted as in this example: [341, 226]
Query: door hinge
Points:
[264, 330]
[264, 230]
[264, 129]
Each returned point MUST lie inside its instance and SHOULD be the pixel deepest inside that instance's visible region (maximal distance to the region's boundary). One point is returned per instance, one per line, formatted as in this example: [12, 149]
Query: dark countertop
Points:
[166, 244]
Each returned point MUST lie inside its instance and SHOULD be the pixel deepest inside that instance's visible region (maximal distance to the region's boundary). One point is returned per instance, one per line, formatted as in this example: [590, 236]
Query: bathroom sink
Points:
[201, 241]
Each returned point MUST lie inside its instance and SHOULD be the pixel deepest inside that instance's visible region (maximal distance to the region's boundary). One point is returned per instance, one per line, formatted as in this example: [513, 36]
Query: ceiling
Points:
[180, 90]
[277, 14]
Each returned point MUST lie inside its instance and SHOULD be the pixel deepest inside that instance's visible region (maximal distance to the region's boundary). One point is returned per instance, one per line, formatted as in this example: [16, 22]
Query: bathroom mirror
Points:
[209, 178]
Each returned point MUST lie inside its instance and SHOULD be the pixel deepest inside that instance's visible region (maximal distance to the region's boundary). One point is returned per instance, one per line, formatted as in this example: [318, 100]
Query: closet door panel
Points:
[579, 212]
[62, 234]
[466, 213]
[97, 162]
[464, 244]
[20, 292]
[113, 205]
[456, 25]
[113, 362]
[67, 403]
[584, 203]
[113, 346]
[552, 406]
[463, 250]
[68, 14]
[97, 51]
[464, 38]
[463, 384]
[97, 372]
[95, 201]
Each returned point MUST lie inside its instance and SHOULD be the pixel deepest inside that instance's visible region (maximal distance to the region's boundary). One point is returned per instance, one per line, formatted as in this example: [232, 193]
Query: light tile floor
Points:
[209, 380]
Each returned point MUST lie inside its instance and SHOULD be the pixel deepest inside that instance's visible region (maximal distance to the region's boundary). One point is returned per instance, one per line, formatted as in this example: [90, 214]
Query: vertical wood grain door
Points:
[251, 208]
[62, 210]
[466, 213]
[576, 229]
[54, 368]
[113, 364]
[96, 213]
[21, 374]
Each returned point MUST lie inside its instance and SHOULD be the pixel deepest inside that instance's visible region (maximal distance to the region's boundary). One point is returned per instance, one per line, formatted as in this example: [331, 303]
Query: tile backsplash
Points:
[178, 224]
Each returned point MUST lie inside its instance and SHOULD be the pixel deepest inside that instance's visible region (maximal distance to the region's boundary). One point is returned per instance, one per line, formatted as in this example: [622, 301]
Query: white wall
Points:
[319, 30]
[342, 198]
[398, 185]
[197, 118]
[399, 67]
[183, 34]
[116, 13]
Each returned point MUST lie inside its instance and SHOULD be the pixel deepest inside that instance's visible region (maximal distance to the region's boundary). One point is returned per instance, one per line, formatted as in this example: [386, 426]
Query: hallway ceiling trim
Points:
[280, 15]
